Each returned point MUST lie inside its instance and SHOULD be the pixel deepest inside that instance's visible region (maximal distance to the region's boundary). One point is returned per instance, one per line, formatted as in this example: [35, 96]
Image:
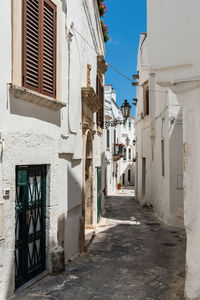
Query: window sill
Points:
[36, 98]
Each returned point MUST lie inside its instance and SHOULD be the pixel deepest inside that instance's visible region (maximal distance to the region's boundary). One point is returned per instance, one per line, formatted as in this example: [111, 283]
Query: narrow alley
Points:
[133, 256]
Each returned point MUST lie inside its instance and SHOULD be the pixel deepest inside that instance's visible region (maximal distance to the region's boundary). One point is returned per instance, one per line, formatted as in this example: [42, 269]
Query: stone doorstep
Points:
[30, 283]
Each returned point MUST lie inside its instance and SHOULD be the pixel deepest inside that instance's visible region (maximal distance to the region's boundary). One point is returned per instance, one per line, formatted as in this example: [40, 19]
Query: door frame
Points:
[25, 277]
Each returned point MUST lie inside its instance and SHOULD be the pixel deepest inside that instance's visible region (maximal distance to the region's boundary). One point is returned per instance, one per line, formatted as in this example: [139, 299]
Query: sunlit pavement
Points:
[133, 256]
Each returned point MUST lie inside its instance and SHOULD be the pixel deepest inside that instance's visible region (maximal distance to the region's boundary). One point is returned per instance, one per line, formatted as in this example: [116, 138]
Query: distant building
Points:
[120, 144]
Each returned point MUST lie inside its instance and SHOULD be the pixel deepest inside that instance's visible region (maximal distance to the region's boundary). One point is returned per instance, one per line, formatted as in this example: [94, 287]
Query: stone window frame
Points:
[17, 51]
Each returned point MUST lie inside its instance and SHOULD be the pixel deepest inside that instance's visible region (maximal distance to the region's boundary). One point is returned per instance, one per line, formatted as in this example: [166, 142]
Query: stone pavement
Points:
[133, 256]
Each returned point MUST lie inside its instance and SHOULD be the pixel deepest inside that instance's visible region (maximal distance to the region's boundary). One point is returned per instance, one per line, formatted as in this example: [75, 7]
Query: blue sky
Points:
[126, 19]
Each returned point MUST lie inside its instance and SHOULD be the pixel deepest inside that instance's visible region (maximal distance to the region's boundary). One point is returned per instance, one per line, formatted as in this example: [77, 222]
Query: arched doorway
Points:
[88, 195]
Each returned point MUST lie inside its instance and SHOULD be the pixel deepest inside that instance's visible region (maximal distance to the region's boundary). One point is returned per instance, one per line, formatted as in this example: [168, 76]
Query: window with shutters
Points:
[100, 94]
[124, 158]
[108, 139]
[146, 99]
[39, 46]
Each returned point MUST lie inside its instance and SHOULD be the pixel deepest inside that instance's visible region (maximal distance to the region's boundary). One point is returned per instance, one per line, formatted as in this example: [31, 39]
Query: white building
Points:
[173, 48]
[47, 155]
[159, 144]
[120, 144]
[127, 163]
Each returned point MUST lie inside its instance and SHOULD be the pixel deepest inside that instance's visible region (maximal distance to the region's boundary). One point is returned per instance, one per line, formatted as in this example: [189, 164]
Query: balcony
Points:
[118, 152]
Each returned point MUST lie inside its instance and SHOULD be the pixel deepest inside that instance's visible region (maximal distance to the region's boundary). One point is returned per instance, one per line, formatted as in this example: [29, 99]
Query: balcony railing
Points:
[118, 151]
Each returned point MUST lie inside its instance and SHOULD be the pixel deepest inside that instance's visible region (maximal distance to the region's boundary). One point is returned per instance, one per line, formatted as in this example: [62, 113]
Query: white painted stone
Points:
[50, 134]
[116, 169]
[173, 47]
[164, 121]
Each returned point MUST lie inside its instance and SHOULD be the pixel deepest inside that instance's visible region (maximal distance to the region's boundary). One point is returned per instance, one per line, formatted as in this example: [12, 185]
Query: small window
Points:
[147, 102]
[108, 138]
[123, 179]
[124, 153]
[146, 99]
[143, 175]
[129, 154]
[163, 156]
[39, 46]
[100, 94]
[129, 124]
[129, 175]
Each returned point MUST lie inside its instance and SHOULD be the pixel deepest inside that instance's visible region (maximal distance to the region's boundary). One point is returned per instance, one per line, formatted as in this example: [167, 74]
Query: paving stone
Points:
[133, 256]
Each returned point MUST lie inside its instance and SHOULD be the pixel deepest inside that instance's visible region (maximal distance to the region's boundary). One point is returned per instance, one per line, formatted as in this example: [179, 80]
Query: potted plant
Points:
[119, 185]
[102, 11]
[105, 31]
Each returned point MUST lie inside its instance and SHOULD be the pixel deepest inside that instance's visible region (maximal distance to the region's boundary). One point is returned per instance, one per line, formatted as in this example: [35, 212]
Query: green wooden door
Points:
[98, 193]
[30, 225]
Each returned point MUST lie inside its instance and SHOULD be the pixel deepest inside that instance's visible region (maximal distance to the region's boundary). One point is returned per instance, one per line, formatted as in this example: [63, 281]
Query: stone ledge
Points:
[89, 96]
[36, 98]
[102, 66]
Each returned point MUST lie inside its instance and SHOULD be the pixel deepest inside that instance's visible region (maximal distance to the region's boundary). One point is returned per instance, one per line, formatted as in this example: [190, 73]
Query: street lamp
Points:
[126, 110]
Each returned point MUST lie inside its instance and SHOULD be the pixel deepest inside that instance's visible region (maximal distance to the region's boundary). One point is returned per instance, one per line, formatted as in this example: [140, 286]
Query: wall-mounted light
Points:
[126, 111]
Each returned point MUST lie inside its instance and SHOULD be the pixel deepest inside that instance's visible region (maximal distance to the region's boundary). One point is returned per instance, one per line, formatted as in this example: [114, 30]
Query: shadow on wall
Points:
[72, 237]
[27, 109]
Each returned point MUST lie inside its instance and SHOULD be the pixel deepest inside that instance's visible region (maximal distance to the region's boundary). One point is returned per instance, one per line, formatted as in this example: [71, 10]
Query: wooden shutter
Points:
[31, 45]
[100, 94]
[39, 46]
[49, 48]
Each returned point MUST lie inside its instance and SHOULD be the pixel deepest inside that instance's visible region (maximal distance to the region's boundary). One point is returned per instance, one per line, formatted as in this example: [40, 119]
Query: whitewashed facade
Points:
[173, 47]
[120, 146]
[159, 144]
[42, 137]
[127, 163]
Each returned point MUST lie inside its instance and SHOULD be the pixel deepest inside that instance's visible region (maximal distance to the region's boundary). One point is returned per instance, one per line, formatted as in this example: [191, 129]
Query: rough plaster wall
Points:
[191, 188]
[162, 33]
[142, 125]
[182, 63]
[32, 135]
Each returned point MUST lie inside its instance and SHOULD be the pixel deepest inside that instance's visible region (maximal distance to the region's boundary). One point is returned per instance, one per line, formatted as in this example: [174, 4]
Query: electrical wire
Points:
[137, 85]
[119, 72]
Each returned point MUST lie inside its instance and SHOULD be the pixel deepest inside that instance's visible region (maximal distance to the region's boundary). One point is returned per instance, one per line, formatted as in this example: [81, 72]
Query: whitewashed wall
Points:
[178, 69]
[163, 191]
[128, 164]
[32, 134]
[116, 169]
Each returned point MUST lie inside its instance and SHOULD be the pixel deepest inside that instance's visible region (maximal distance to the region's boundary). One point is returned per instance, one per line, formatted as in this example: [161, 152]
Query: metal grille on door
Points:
[30, 222]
